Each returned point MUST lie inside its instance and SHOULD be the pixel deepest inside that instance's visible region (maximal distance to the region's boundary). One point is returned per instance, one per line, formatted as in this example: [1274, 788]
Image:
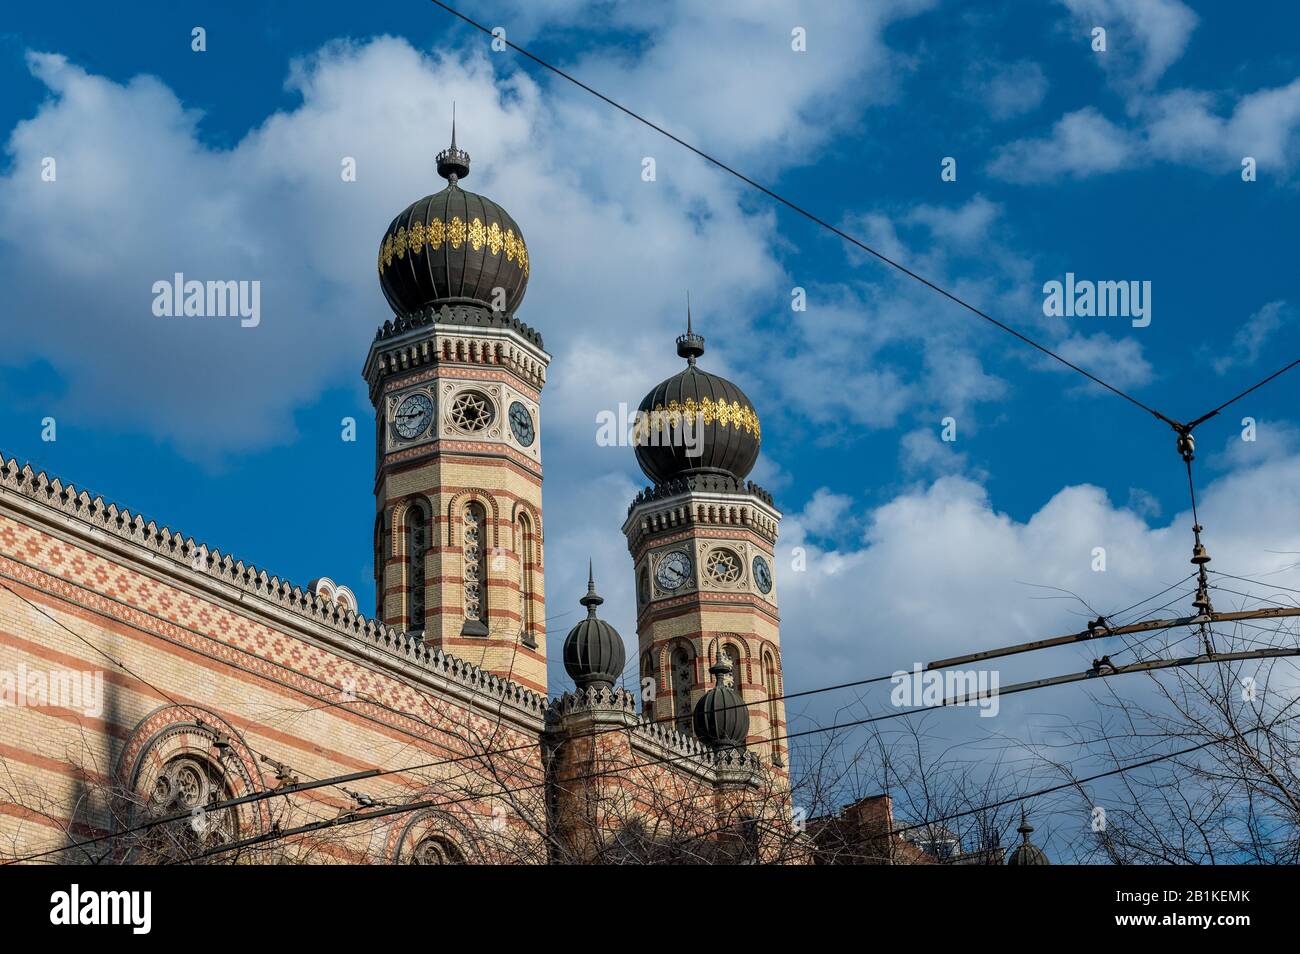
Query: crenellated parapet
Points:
[201, 565]
[595, 710]
[461, 334]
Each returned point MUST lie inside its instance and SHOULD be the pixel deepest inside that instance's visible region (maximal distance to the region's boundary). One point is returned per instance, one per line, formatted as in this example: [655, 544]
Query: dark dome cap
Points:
[1026, 853]
[453, 247]
[696, 422]
[593, 650]
[721, 718]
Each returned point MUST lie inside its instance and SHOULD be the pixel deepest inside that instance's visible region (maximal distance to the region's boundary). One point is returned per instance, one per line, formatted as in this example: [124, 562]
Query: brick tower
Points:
[456, 383]
[702, 541]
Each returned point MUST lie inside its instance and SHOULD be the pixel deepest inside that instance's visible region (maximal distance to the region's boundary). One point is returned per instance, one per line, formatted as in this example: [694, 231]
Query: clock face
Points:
[521, 423]
[762, 575]
[413, 416]
[674, 570]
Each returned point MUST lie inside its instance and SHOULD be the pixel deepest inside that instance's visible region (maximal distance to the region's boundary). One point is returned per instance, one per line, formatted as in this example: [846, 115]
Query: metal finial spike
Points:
[453, 162]
[592, 599]
[690, 345]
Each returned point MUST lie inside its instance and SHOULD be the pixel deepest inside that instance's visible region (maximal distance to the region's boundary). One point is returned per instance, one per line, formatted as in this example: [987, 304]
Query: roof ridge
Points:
[121, 522]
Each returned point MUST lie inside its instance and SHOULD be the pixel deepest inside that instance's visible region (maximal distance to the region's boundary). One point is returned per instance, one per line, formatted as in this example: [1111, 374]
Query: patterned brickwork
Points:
[321, 709]
[704, 618]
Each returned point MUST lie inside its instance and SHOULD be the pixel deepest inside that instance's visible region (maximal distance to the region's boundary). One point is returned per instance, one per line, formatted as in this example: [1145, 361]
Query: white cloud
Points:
[1081, 144]
[1117, 360]
[966, 225]
[139, 197]
[921, 452]
[1184, 126]
[1273, 440]
[1197, 128]
[1248, 343]
[826, 514]
[942, 572]
[724, 76]
[1008, 90]
[1143, 37]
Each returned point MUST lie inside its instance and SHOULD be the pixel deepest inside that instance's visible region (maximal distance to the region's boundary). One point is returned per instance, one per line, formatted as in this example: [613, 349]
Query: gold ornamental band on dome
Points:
[722, 412]
[455, 233]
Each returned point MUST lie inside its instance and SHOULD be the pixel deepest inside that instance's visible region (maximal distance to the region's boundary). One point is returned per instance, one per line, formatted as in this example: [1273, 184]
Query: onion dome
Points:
[1026, 853]
[721, 716]
[696, 422]
[453, 247]
[593, 650]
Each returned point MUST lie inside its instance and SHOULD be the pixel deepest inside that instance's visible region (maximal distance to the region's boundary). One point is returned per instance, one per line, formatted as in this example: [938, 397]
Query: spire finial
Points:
[453, 162]
[592, 599]
[690, 345]
[1025, 828]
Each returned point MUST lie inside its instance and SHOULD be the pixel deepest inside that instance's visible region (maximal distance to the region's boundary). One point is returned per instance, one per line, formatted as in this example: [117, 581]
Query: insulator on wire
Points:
[1187, 446]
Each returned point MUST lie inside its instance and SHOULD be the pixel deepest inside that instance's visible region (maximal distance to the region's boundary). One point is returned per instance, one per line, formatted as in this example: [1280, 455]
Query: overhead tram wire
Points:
[1145, 626]
[812, 217]
[358, 817]
[350, 817]
[1092, 633]
[1232, 400]
[1180, 428]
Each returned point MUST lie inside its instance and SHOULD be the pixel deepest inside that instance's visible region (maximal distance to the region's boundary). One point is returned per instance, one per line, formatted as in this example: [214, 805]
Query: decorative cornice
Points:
[455, 334]
[705, 500]
[701, 483]
[200, 566]
[457, 313]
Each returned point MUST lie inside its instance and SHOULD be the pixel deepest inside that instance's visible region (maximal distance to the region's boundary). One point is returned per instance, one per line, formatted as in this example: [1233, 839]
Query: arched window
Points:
[773, 727]
[524, 553]
[735, 659]
[683, 680]
[474, 546]
[417, 542]
[186, 784]
[432, 850]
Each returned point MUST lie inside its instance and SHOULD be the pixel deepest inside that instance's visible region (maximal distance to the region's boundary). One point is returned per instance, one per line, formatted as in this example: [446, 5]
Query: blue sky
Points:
[1122, 165]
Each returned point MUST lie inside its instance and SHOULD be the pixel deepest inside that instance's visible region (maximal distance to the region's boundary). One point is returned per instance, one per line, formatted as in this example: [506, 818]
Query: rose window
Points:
[434, 851]
[722, 566]
[472, 411]
[187, 785]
